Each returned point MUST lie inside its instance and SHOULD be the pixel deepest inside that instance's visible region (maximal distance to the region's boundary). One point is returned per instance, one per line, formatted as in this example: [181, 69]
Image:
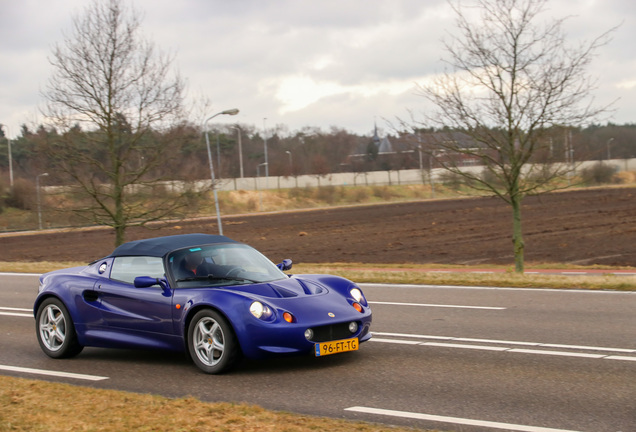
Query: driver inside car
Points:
[192, 265]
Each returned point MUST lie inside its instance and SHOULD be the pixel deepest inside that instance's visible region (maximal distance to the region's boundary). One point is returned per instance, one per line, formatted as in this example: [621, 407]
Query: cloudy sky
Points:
[319, 63]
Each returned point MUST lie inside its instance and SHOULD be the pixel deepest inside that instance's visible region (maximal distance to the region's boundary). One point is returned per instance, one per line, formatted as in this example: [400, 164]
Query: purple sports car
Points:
[207, 295]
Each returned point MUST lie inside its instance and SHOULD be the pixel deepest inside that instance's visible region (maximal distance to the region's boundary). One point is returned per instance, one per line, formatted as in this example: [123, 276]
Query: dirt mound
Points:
[590, 226]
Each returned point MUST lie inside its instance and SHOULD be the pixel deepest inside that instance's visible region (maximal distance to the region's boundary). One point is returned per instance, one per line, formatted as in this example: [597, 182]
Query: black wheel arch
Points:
[193, 311]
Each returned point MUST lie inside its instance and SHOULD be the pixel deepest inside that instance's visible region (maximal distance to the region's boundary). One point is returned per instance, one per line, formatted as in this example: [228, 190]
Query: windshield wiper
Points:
[216, 278]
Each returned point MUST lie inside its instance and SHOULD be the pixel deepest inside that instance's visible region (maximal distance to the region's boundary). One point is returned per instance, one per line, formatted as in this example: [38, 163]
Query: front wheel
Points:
[55, 330]
[212, 343]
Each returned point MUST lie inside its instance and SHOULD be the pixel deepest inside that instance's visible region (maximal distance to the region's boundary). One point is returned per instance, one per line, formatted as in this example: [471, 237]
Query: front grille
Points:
[331, 332]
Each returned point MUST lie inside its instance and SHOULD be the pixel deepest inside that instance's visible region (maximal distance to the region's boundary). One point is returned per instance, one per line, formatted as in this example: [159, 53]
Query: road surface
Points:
[463, 359]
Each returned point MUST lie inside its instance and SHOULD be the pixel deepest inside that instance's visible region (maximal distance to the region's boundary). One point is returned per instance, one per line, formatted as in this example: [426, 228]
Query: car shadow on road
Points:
[291, 364]
[134, 356]
[169, 359]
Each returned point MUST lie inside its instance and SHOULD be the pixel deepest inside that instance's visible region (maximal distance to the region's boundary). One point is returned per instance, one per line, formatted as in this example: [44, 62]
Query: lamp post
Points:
[608, 147]
[265, 143]
[232, 111]
[218, 155]
[291, 165]
[238, 130]
[258, 176]
[37, 193]
[10, 158]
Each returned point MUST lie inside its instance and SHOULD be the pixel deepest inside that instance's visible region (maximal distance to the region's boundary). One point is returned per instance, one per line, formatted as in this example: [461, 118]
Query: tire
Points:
[55, 330]
[212, 344]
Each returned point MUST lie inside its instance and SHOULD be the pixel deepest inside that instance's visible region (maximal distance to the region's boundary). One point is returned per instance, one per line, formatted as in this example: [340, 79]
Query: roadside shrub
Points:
[359, 194]
[327, 194]
[382, 192]
[491, 178]
[598, 173]
[23, 195]
[299, 193]
[452, 180]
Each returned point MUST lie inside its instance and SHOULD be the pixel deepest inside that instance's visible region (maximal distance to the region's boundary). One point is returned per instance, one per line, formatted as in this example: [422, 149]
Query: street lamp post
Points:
[232, 111]
[291, 165]
[265, 143]
[258, 177]
[37, 193]
[608, 147]
[218, 155]
[238, 130]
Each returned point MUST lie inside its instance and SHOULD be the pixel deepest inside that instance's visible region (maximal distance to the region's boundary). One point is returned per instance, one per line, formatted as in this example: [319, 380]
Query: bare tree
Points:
[109, 90]
[512, 79]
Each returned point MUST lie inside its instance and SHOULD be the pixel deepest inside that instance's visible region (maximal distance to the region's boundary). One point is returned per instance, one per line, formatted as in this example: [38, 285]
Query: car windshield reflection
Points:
[221, 265]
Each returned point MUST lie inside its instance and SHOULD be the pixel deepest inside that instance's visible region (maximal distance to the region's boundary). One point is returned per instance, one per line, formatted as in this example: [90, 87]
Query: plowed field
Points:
[590, 226]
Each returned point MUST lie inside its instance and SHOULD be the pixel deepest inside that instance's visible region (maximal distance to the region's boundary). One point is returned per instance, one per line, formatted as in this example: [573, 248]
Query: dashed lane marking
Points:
[580, 351]
[52, 373]
[437, 305]
[454, 420]
[8, 311]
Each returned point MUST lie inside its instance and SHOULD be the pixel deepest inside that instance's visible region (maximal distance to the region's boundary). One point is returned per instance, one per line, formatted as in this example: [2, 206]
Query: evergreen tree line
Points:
[310, 151]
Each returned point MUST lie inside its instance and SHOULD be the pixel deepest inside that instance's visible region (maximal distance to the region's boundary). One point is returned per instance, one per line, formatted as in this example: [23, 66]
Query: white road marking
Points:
[625, 358]
[52, 373]
[495, 341]
[8, 311]
[451, 342]
[454, 420]
[437, 305]
[16, 314]
[20, 274]
[490, 288]
[395, 341]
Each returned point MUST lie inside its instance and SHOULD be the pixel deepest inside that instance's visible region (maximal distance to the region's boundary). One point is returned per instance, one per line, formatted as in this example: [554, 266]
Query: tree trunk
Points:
[120, 234]
[517, 235]
[119, 218]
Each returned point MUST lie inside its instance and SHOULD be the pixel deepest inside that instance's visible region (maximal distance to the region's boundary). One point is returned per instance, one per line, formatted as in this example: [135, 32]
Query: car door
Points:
[143, 312]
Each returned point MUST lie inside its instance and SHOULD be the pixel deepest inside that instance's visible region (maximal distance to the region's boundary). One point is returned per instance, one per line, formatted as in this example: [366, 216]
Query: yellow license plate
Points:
[335, 347]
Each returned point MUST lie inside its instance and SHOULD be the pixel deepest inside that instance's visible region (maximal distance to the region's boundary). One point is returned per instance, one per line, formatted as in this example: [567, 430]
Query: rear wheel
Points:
[212, 343]
[55, 330]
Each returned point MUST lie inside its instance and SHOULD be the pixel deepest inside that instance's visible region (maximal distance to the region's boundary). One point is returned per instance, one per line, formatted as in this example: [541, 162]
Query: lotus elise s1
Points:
[214, 298]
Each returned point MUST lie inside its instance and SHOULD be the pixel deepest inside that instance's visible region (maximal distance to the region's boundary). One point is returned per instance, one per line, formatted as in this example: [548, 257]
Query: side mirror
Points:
[146, 282]
[285, 265]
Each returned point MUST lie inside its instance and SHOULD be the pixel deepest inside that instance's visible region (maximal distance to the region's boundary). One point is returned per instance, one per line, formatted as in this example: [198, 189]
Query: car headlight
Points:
[260, 311]
[358, 296]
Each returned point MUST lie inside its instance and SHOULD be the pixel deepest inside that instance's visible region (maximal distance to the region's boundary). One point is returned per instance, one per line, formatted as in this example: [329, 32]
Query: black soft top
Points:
[160, 246]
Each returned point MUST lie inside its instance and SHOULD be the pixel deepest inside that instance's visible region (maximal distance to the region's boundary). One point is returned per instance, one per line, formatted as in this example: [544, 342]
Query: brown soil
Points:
[590, 226]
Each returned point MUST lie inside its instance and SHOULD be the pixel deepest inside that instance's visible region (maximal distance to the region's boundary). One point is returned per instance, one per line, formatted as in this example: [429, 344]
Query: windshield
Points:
[221, 265]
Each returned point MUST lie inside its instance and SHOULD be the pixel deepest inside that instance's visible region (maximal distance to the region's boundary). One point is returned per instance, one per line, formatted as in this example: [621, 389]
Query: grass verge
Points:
[424, 274]
[29, 405]
[466, 275]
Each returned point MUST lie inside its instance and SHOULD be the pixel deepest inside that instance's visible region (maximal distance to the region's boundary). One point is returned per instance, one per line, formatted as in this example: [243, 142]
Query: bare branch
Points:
[113, 88]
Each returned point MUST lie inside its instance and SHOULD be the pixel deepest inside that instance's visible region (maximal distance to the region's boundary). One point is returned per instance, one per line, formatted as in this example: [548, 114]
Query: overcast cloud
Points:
[343, 63]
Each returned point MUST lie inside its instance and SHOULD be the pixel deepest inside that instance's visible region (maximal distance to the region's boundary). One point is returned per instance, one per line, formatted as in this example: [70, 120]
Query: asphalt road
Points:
[462, 359]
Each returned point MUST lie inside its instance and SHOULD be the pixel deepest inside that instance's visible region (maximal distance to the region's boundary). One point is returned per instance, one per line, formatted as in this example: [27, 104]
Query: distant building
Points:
[427, 149]
[383, 145]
